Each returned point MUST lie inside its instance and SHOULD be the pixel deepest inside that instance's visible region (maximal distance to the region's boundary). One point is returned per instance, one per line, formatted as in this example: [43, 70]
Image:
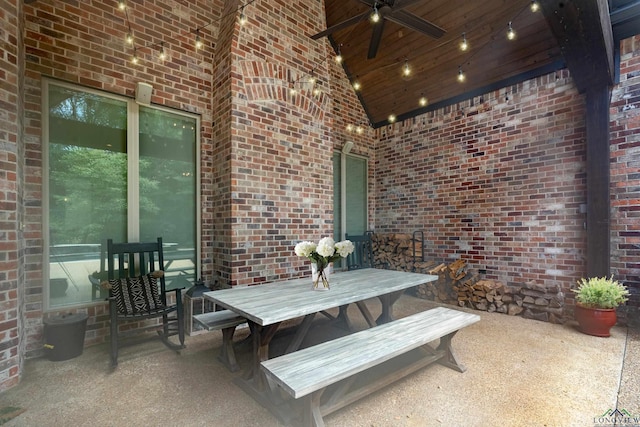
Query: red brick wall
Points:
[282, 144]
[11, 271]
[266, 169]
[498, 180]
[625, 171]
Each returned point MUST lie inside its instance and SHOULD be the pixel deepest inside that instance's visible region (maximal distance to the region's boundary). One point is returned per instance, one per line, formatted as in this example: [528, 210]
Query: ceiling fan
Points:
[391, 10]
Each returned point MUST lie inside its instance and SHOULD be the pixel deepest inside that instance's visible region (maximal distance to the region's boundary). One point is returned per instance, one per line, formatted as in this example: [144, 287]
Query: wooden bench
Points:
[325, 377]
[227, 321]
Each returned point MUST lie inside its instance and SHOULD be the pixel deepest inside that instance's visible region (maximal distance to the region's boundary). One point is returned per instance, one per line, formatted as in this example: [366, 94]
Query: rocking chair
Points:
[137, 292]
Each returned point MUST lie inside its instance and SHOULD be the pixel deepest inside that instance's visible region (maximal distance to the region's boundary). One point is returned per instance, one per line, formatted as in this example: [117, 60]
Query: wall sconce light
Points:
[346, 148]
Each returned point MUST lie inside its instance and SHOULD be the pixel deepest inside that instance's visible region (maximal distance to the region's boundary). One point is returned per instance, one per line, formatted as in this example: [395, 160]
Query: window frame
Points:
[133, 205]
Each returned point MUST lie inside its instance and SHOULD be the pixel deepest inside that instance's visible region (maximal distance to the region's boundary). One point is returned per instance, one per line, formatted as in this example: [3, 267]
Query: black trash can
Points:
[64, 336]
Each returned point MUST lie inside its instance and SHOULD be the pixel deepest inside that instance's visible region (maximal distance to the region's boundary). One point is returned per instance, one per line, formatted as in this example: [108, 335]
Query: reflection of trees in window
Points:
[167, 142]
[87, 167]
[88, 170]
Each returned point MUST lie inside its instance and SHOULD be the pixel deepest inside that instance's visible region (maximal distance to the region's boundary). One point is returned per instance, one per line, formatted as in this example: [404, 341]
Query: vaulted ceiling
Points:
[431, 49]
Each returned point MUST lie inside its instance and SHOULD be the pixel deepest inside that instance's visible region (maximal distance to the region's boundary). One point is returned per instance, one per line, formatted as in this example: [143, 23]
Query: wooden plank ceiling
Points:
[491, 62]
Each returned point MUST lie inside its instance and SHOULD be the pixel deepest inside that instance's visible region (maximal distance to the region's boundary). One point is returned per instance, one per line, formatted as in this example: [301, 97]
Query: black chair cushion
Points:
[136, 294]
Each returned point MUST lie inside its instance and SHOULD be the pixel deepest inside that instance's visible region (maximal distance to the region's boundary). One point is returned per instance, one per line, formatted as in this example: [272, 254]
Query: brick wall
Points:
[281, 144]
[498, 180]
[11, 271]
[266, 165]
[625, 172]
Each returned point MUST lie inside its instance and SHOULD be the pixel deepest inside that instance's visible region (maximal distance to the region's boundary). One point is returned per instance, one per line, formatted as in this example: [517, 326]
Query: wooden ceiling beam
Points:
[583, 31]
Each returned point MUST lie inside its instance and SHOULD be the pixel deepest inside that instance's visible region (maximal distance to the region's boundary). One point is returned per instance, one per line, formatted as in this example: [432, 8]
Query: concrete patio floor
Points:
[520, 372]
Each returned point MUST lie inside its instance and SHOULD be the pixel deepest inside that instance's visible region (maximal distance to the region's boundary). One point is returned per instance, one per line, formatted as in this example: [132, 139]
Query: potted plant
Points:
[597, 299]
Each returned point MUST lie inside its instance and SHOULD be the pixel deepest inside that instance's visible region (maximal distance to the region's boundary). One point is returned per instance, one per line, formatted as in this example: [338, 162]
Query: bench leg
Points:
[312, 416]
[449, 360]
[227, 355]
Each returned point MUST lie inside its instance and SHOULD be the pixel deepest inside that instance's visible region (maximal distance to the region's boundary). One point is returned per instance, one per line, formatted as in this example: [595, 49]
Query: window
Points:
[349, 195]
[115, 169]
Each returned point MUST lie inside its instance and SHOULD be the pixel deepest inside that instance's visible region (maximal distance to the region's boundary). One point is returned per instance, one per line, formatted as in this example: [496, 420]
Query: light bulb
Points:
[198, 41]
[406, 71]
[243, 18]
[356, 85]
[461, 76]
[423, 101]
[463, 44]
[122, 5]
[129, 38]
[391, 118]
[349, 127]
[511, 34]
[535, 6]
[375, 16]
[162, 54]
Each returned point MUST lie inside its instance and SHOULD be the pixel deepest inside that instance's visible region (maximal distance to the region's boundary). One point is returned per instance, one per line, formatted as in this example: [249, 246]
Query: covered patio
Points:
[521, 372]
[224, 127]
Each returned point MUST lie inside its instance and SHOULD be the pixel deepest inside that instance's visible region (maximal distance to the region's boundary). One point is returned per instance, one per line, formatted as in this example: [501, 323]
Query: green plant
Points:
[601, 292]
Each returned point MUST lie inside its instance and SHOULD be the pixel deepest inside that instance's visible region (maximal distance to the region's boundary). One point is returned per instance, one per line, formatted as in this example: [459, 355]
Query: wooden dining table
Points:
[266, 306]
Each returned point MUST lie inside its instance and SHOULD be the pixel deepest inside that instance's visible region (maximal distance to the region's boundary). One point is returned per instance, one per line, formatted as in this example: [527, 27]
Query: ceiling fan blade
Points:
[415, 23]
[344, 24]
[376, 37]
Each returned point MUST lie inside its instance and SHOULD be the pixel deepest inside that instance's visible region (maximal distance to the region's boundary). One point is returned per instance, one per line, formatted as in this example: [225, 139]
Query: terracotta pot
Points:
[595, 321]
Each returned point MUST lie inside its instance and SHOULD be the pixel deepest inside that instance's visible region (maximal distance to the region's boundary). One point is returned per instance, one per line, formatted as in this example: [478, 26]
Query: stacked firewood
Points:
[460, 285]
[395, 251]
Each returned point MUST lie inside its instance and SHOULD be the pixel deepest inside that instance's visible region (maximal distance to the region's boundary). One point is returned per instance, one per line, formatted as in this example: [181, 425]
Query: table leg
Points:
[261, 338]
[387, 302]
[301, 332]
[343, 317]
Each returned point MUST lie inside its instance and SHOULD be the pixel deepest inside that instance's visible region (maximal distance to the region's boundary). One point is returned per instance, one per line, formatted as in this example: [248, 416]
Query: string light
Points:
[243, 18]
[461, 76]
[535, 6]
[163, 54]
[134, 58]
[511, 34]
[406, 70]
[463, 44]
[339, 56]
[392, 118]
[375, 16]
[356, 85]
[423, 101]
[122, 5]
[129, 38]
[198, 40]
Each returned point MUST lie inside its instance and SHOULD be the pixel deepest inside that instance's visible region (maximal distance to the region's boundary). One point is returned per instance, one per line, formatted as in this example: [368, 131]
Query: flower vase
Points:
[320, 276]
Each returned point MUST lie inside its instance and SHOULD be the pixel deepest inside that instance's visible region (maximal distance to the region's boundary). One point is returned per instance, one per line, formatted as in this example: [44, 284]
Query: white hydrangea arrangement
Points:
[325, 251]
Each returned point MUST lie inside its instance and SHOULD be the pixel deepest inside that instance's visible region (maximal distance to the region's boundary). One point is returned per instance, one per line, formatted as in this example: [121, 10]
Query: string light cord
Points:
[152, 46]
